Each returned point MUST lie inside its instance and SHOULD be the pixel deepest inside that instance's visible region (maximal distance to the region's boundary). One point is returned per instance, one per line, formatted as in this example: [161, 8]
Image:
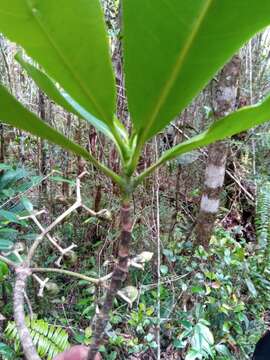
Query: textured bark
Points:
[224, 97]
[118, 277]
[29, 350]
[98, 197]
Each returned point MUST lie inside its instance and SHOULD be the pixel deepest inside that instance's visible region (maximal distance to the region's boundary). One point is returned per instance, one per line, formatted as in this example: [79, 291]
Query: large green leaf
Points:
[173, 48]
[9, 216]
[234, 123]
[13, 113]
[45, 83]
[115, 130]
[5, 245]
[3, 270]
[59, 96]
[68, 38]
[202, 339]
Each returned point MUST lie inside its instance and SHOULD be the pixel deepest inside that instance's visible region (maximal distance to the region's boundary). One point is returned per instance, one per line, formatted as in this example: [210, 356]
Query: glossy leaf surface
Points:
[60, 97]
[173, 48]
[13, 113]
[68, 39]
[232, 124]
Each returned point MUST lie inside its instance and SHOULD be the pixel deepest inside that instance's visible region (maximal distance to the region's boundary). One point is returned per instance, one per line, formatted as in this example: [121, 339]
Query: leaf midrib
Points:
[178, 65]
[65, 61]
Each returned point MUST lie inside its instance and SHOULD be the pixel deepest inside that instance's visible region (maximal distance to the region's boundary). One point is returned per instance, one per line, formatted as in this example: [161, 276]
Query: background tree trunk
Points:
[2, 144]
[224, 98]
[43, 148]
[67, 165]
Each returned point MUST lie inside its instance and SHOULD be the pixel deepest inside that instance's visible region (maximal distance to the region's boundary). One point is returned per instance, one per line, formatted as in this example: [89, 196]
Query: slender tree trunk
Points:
[80, 161]
[21, 147]
[67, 163]
[176, 209]
[2, 144]
[118, 277]
[43, 148]
[98, 197]
[224, 97]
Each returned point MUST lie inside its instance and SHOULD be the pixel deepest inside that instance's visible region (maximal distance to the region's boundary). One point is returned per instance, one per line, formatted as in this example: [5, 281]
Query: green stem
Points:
[121, 145]
[103, 168]
[134, 160]
[73, 274]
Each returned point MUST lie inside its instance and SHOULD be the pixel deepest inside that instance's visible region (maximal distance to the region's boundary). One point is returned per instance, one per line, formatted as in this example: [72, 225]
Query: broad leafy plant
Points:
[171, 49]
[13, 183]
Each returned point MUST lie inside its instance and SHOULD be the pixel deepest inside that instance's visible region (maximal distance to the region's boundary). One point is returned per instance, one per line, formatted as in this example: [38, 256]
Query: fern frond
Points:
[49, 339]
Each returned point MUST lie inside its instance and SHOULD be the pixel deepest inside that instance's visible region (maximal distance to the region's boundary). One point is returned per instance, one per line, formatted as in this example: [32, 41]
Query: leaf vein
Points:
[178, 64]
[66, 63]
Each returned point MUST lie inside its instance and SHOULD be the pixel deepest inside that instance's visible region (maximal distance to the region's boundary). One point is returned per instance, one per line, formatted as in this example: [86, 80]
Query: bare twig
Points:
[8, 262]
[23, 271]
[74, 274]
[31, 314]
[78, 203]
[42, 284]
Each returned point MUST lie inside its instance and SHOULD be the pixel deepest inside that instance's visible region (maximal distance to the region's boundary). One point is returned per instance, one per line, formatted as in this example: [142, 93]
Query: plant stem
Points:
[119, 275]
[103, 168]
[29, 349]
[158, 255]
[73, 274]
[7, 261]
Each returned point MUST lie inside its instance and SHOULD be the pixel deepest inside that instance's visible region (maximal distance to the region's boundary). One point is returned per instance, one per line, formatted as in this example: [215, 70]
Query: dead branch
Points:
[23, 271]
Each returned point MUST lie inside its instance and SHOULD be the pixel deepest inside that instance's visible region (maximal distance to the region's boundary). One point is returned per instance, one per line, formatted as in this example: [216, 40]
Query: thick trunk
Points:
[224, 99]
[118, 277]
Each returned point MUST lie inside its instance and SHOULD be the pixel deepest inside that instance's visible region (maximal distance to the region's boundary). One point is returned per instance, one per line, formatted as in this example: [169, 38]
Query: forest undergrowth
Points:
[212, 302]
